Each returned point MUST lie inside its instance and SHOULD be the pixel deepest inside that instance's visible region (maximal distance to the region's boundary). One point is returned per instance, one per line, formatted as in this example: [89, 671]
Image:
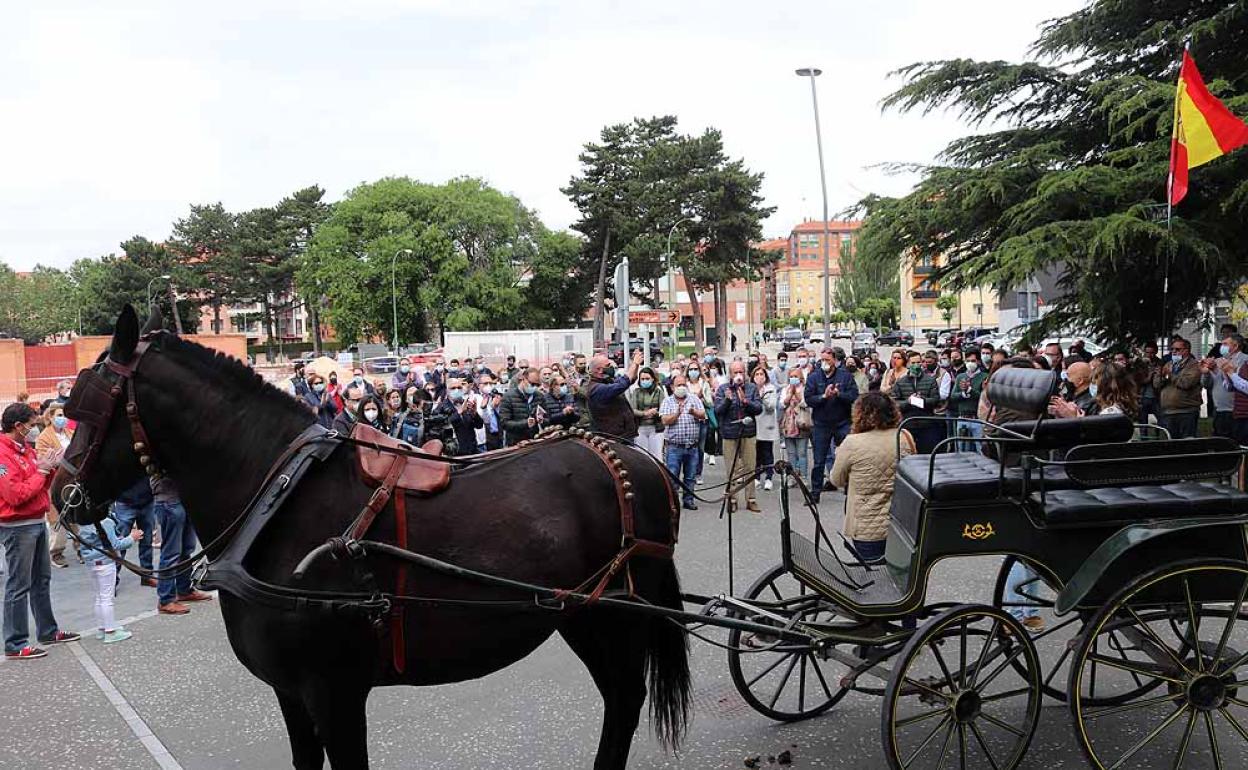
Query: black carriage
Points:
[1134, 545]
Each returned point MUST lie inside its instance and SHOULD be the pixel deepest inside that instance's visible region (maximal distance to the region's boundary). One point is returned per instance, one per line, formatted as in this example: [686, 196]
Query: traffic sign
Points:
[653, 316]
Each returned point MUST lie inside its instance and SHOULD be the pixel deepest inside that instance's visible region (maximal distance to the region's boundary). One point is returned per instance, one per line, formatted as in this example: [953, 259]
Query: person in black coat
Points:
[460, 409]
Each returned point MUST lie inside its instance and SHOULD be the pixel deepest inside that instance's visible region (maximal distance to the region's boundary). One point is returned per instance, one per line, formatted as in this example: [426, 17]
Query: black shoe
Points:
[828, 486]
[691, 507]
[815, 498]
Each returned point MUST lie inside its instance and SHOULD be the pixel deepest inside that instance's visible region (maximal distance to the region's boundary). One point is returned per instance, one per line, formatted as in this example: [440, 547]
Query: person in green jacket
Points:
[968, 386]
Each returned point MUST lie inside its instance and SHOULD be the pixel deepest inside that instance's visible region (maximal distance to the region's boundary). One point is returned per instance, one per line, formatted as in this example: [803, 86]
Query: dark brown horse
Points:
[547, 516]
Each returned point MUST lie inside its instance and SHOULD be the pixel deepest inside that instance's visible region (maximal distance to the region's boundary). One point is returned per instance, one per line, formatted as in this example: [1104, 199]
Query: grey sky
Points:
[117, 116]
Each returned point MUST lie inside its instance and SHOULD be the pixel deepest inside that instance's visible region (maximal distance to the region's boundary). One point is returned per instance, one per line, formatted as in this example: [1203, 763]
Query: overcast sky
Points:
[115, 117]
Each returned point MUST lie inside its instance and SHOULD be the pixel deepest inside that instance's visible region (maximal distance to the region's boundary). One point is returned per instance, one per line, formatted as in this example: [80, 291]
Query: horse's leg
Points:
[341, 724]
[613, 649]
[305, 746]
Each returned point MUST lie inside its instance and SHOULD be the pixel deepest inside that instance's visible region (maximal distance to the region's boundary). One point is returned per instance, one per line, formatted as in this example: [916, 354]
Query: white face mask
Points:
[370, 414]
[972, 367]
[681, 391]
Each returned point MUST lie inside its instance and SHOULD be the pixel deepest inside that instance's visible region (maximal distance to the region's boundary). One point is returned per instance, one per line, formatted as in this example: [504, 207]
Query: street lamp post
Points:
[671, 285]
[812, 73]
[394, 295]
[149, 291]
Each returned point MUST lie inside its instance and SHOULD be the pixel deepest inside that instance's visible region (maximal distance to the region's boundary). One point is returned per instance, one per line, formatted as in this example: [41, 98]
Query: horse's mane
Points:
[234, 372]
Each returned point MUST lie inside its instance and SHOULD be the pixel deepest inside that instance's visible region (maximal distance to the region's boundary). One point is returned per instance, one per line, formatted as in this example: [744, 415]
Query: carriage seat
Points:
[1119, 505]
[418, 474]
[971, 476]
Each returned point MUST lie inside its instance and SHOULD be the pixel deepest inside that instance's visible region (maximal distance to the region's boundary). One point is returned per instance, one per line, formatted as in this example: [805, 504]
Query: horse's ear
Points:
[125, 335]
[155, 322]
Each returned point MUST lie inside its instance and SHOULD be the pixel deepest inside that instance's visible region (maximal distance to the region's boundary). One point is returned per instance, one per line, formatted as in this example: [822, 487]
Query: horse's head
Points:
[103, 459]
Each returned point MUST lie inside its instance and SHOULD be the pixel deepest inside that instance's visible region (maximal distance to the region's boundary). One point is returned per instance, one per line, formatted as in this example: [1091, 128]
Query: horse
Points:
[548, 515]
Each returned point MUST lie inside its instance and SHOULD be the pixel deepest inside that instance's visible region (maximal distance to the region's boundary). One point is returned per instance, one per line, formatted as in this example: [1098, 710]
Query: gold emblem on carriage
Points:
[978, 531]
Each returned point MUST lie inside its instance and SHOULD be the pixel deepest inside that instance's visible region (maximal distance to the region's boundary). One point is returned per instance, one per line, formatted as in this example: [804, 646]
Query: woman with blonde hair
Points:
[52, 441]
[795, 419]
[865, 465]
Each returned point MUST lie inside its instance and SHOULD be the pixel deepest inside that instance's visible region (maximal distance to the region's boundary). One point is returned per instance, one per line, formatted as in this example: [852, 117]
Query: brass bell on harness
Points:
[628, 495]
[140, 447]
[145, 460]
[626, 485]
[623, 474]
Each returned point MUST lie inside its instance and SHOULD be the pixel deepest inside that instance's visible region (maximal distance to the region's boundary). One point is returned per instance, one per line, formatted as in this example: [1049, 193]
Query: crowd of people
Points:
[832, 416]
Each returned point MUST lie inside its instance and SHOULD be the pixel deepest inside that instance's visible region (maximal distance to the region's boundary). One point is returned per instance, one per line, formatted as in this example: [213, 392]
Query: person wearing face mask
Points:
[298, 384]
[488, 402]
[463, 415]
[710, 358]
[1078, 376]
[318, 401]
[830, 393]
[895, 371]
[964, 402]
[1178, 390]
[563, 408]
[357, 378]
[859, 375]
[54, 440]
[23, 503]
[372, 412]
[63, 389]
[524, 407]
[780, 373]
[333, 392]
[801, 360]
[682, 414]
[737, 405]
[405, 415]
[345, 421]
[918, 394]
[1053, 354]
[768, 429]
[645, 400]
[606, 389]
[405, 376]
[956, 363]
[795, 421]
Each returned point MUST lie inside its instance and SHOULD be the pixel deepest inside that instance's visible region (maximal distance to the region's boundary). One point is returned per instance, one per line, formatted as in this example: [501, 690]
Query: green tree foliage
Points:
[36, 305]
[643, 177]
[947, 303]
[864, 278]
[102, 287]
[472, 249]
[1072, 173]
[202, 240]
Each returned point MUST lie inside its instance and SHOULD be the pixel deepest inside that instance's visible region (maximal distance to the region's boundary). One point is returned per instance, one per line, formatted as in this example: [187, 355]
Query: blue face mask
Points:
[707, 359]
[783, 364]
[794, 380]
[646, 384]
[1176, 358]
[1092, 390]
[563, 390]
[527, 389]
[457, 394]
[404, 369]
[1224, 350]
[59, 422]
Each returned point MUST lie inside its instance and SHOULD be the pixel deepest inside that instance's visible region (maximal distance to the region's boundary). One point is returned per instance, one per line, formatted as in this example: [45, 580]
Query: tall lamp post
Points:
[149, 292]
[671, 284]
[812, 73]
[394, 295]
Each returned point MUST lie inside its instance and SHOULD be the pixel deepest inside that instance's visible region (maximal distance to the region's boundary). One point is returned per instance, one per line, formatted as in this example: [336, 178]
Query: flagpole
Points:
[1171, 246]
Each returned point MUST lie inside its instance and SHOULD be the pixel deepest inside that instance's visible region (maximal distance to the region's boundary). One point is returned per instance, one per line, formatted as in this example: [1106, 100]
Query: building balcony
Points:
[924, 269]
[925, 294]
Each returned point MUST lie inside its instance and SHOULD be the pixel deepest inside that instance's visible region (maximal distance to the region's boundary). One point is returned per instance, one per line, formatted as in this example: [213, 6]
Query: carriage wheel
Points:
[1057, 642]
[1184, 624]
[956, 697]
[781, 680]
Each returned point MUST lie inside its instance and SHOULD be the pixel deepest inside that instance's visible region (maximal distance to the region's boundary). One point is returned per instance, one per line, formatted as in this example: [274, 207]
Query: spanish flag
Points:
[1204, 128]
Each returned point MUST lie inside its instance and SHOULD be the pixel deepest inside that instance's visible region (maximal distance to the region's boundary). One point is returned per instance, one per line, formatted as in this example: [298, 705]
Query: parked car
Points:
[863, 345]
[842, 334]
[791, 339]
[895, 338]
[615, 351]
[381, 365]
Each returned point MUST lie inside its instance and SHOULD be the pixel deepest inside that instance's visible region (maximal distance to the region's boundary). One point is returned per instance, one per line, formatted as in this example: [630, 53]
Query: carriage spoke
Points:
[981, 686]
[1147, 629]
[944, 750]
[1003, 725]
[926, 689]
[1122, 653]
[983, 652]
[983, 746]
[1147, 739]
[1128, 666]
[775, 696]
[962, 746]
[1231, 617]
[1186, 743]
[801, 687]
[962, 671]
[1213, 740]
[943, 668]
[1057, 666]
[926, 741]
[819, 673]
[1234, 722]
[1139, 704]
[1193, 627]
[916, 718]
[767, 670]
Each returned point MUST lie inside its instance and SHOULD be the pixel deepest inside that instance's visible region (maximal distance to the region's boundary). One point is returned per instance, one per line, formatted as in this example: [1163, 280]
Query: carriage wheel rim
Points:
[1195, 694]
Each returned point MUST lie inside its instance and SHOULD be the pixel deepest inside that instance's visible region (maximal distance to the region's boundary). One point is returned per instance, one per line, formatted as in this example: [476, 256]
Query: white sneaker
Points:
[710, 459]
[699, 480]
[767, 485]
[120, 635]
[757, 483]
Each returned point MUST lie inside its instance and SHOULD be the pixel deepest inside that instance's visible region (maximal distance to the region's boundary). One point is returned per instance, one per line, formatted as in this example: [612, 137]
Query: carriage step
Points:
[848, 585]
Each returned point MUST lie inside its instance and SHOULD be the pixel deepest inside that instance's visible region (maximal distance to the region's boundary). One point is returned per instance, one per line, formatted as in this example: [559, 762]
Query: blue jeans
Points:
[30, 576]
[795, 451]
[824, 438]
[177, 542]
[703, 428]
[1020, 573]
[973, 430]
[682, 461]
[128, 517]
[870, 551]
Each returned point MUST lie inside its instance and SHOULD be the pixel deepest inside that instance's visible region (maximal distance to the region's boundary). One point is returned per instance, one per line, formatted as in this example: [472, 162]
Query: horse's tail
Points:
[667, 661]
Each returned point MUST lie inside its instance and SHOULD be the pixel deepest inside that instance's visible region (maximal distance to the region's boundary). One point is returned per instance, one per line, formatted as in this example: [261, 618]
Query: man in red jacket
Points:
[24, 482]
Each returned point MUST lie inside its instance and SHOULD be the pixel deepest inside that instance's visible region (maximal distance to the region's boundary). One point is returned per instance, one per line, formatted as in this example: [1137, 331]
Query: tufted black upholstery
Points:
[1066, 432]
[971, 476]
[1117, 505]
[1155, 462]
[1022, 390]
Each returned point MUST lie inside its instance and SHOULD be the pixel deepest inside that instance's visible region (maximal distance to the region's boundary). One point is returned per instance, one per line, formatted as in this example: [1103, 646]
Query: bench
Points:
[1120, 483]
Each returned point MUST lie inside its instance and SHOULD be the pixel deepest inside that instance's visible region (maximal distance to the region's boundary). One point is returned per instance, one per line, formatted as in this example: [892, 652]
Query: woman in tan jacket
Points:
[865, 464]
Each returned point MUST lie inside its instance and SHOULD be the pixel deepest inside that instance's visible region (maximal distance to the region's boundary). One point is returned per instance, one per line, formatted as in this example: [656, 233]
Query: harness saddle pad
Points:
[418, 474]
